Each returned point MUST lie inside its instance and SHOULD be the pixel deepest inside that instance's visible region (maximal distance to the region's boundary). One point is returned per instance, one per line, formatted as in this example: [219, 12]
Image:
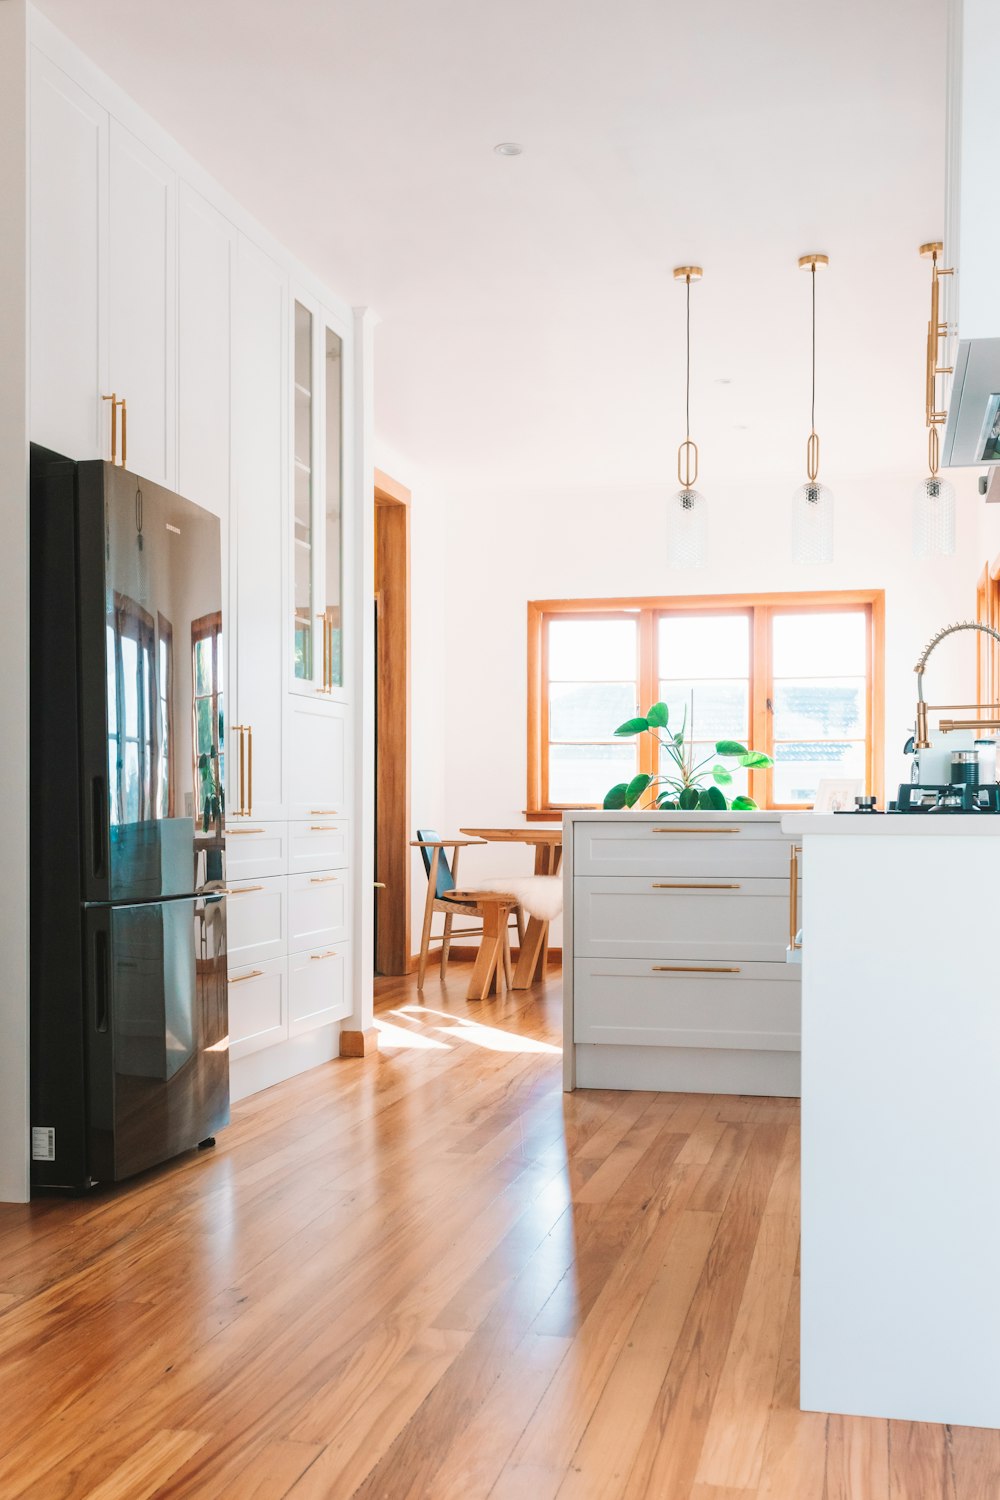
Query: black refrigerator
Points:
[129, 1034]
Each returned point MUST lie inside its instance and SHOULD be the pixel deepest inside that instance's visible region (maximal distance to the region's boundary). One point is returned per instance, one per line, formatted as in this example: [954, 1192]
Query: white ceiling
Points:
[530, 329]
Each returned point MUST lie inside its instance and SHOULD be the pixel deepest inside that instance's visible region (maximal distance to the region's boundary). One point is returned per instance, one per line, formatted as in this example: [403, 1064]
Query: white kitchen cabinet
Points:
[256, 919]
[206, 244]
[316, 761]
[322, 843]
[318, 910]
[69, 237]
[318, 988]
[258, 1007]
[254, 849]
[256, 604]
[683, 916]
[143, 302]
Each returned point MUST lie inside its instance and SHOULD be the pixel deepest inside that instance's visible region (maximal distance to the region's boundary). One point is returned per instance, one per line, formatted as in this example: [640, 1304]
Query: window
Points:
[132, 712]
[208, 708]
[165, 683]
[796, 675]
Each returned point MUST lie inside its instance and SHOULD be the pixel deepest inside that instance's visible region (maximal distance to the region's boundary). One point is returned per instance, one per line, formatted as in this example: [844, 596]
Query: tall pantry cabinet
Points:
[241, 378]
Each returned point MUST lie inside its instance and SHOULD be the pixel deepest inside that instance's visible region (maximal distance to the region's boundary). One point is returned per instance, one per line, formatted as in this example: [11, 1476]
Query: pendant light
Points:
[812, 507]
[687, 518]
[934, 497]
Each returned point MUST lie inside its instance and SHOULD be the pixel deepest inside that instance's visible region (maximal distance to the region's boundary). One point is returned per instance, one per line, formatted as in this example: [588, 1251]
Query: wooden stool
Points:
[492, 967]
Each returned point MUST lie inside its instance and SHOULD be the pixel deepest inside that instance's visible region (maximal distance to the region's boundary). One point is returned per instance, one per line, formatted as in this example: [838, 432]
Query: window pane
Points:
[131, 780]
[704, 646]
[589, 711]
[202, 666]
[826, 708]
[592, 650]
[203, 726]
[130, 686]
[740, 785]
[721, 710]
[583, 773]
[112, 682]
[822, 645]
[799, 766]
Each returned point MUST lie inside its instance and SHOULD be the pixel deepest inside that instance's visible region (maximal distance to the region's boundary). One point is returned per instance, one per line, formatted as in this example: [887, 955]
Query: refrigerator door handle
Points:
[98, 823]
[101, 981]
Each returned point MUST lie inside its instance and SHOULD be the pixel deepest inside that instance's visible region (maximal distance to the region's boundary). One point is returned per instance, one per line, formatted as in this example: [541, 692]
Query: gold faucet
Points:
[920, 740]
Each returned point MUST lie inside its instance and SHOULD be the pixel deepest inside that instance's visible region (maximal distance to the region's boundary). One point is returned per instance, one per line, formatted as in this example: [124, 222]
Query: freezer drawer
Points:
[258, 1006]
[319, 988]
[257, 920]
[318, 910]
[629, 1002]
[669, 848]
[701, 918]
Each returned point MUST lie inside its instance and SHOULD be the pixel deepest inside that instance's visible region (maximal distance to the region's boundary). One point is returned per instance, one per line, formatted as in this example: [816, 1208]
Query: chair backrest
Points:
[445, 881]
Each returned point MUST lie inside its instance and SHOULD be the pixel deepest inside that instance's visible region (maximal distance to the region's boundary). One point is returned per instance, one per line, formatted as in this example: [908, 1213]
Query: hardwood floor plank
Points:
[920, 1464]
[857, 1458]
[975, 1462]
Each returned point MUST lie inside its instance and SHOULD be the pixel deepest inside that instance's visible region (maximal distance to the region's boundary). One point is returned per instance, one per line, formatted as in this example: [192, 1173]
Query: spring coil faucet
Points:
[920, 740]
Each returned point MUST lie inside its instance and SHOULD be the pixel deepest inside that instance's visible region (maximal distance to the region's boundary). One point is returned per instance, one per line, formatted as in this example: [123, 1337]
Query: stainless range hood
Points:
[972, 435]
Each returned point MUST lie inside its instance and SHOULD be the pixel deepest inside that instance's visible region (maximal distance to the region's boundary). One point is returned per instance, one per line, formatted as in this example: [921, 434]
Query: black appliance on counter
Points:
[955, 797]
[129, 1033]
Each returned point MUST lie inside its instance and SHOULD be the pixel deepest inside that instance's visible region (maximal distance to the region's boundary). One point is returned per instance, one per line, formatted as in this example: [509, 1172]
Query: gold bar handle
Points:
[249, 770]
[687, 828]
[793, 898]
[124, 433]
[323, 812]
[316, 957]
[241, 890]
[693, 885]
[113, 398]
[241, 807]
[697, 969]
[254, 974]
[321, 615]
[246, 830]
[322, 879]
[322, 828]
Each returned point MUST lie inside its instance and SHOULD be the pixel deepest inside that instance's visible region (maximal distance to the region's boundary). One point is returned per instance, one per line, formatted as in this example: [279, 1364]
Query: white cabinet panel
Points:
[143, 302]
[319, 845]
[205, 245]
[318, 988]
[256, 610]
[316, 761]
[669, 847]
[258, 1007]
[318, 910]
[254, 849]
[68, 229]
[256, 920]
[658, 919]
[629, 1002]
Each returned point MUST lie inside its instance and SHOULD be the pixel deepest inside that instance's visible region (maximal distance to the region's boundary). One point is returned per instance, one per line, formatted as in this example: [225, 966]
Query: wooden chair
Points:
[444, 896]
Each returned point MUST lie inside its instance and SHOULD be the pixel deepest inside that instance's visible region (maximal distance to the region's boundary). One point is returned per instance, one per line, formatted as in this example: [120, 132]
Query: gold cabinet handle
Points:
[246, 830]
[793, 898]
[693, 885]
[254, 974]
[316, 957]
[687, 828]
[321, 879]
[124, 433]
[323, 812]
[323, 828]
[696, 969]
[250, 770]
[242, 811]
[327, 676]
[113, 398]
[379, 885]
[241, 890]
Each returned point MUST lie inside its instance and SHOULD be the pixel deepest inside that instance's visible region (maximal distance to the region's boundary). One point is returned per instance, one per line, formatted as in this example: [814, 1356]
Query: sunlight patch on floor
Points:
[491, 1038]
[401, 1036]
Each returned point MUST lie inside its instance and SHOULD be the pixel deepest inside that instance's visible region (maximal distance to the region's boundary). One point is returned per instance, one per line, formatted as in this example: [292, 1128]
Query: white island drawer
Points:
[318, 910]
[632, 1002]
[320, 844]
[681, 848]
[319, 988]
[255, 920]
[670, 918]
[254, 849]
[258, 1009]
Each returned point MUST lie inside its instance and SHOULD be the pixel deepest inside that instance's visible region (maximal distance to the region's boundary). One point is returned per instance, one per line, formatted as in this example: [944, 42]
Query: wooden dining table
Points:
[547, 843]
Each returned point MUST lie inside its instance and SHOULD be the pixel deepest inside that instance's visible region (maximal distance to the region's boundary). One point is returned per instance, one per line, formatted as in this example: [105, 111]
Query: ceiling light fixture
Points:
[812, 506]
[508, 148]
[687, 520]
[934, 497]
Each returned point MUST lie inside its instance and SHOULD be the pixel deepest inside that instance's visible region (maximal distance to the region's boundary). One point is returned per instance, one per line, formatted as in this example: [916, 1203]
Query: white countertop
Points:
[893, 825]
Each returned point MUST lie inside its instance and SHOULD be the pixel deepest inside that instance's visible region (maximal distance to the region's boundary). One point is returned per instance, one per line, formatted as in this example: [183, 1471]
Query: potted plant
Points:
[686, 785]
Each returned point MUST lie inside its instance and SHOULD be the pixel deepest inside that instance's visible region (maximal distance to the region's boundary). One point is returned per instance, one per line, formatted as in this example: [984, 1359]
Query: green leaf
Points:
[632, 726]
[755, 759]
[729, 747]
[666, 802]
[679, 737]
[657, 716]
[712, 800]
[616, 797]
[635, 788]
[689, 799]
[722, 776]
[743, 804]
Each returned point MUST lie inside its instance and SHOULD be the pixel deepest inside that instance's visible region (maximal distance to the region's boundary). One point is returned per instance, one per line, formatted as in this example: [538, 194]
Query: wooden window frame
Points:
[987, 649]
[761, 608]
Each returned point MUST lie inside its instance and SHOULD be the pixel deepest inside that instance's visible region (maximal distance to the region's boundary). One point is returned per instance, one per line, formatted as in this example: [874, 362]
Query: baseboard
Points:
[461, 952]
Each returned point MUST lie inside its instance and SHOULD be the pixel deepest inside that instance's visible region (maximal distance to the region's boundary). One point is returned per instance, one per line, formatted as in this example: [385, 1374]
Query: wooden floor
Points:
[432, 1276]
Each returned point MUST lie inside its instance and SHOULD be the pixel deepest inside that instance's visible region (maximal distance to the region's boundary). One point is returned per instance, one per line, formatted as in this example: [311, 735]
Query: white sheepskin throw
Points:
[540, 895]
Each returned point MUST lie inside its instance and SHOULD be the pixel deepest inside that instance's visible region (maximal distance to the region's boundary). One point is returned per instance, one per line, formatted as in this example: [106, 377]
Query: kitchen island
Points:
[900, 1116]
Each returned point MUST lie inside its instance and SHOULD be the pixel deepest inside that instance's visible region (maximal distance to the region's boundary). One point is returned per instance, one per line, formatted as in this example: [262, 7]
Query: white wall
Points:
[494, 551]
[14, 603]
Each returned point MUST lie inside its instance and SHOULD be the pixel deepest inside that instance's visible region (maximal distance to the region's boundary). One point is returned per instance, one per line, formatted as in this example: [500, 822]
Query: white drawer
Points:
[320, 844]
[256, 920]
[255, 849]
[318, 910]
[633, 1002]
[319, 989]
[258, 1006]
[668, 918]
[669, 848]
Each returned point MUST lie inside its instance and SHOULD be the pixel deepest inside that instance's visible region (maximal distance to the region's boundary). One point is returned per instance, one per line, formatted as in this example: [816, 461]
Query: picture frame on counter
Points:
[837, 794]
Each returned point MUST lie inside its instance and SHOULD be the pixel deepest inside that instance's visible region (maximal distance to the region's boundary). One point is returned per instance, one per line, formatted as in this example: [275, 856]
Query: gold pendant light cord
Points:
[812, 447]
[687, 453]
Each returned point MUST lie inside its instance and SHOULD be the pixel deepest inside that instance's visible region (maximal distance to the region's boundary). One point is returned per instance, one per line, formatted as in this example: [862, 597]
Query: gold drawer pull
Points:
[322, 828]
[695, 969]
[242, 890]
[315, 957]
[246, 830]
[699, 831]
[323, 812]
[321, 879]
[692, 885]
[254, 974]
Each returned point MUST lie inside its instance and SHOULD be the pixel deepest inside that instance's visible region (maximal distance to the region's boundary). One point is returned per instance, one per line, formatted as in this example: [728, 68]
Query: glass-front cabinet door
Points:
[318, 503]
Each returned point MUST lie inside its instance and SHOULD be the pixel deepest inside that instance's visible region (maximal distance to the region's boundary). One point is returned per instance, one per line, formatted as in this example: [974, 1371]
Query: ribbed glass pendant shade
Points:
[934, 518]
[812, 523]
[687, 530]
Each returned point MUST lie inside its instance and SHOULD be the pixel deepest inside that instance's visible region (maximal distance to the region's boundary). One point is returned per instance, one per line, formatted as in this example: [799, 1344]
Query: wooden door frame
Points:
[392, 711]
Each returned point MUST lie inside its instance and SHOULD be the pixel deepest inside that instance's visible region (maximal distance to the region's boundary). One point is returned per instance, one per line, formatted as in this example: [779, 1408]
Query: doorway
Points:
[392, 726]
